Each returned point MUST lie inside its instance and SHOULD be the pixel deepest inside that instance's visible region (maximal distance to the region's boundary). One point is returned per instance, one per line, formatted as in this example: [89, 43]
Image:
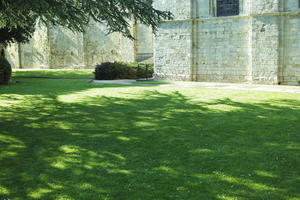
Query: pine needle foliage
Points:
[19, 17]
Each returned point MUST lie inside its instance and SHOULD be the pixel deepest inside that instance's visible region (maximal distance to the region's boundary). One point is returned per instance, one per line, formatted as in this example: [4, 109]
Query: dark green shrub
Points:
[119, 70]
[5, 70]
[143, 72]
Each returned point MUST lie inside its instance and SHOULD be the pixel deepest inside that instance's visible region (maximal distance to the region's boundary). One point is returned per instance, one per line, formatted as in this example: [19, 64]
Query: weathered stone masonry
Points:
[259, 45]
[52, 48]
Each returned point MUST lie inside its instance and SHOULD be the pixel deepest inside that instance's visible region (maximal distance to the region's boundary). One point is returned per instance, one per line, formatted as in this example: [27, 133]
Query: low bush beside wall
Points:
[119, 70]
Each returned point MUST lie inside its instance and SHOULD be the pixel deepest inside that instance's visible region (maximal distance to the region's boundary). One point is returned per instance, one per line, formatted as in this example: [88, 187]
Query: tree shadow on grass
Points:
[154, 146]
[54, 87]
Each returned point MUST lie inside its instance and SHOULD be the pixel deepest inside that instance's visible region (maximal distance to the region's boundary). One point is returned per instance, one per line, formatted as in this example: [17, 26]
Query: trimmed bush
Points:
[119, 70]
[5, 70]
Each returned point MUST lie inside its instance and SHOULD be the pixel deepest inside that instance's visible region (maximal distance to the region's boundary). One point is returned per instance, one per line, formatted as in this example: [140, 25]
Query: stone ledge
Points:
[214, 18]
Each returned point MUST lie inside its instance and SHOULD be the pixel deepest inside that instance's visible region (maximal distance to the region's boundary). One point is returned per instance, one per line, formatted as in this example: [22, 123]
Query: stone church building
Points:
[254, 41]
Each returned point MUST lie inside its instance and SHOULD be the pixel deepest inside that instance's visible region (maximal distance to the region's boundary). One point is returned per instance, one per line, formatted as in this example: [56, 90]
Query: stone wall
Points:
[289, 71]
[52, 48]
[65, 49]
[265, 49]
[144, 43]
[180, 8]
[173, 51]
[12, 55]
[222, 49]
[260, 45]
[99, 47]
[173, 42]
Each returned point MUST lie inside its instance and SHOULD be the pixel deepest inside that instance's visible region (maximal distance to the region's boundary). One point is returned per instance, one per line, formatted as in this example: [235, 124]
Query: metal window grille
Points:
[228, 7]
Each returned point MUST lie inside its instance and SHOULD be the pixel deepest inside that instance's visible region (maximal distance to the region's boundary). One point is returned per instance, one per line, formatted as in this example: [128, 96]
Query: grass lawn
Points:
[54, 73]
[74, 140]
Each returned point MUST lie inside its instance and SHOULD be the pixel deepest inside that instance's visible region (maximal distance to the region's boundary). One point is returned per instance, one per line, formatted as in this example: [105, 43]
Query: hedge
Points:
[119, 70]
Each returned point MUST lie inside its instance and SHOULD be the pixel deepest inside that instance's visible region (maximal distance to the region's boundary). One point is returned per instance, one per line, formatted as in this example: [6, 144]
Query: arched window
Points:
[228, 7]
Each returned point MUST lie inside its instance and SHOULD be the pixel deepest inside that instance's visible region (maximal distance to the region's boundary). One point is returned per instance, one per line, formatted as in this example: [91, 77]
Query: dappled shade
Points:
[74, 140]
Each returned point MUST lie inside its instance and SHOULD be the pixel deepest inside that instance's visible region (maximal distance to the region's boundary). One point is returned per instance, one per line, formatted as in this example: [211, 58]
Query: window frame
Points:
[233, 12]
[213, 8]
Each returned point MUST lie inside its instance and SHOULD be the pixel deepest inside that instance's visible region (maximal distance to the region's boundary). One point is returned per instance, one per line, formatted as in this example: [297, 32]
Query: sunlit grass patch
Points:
[4, 191]
[154, 82]
[54, 73]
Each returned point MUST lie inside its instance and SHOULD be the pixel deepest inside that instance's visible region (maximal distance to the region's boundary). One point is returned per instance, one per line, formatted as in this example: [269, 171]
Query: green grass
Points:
[73, 140]
[55, 73]
[154, 82]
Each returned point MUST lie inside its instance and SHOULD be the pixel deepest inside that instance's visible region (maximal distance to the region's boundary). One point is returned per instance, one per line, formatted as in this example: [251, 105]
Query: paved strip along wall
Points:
[259, 45]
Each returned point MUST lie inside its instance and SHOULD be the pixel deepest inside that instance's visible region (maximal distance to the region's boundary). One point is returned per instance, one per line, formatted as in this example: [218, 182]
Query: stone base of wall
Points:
[222, 78]
[172, 77]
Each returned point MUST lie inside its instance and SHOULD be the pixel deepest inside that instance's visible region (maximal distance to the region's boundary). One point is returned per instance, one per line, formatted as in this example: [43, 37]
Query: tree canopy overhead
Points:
[19, 17]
